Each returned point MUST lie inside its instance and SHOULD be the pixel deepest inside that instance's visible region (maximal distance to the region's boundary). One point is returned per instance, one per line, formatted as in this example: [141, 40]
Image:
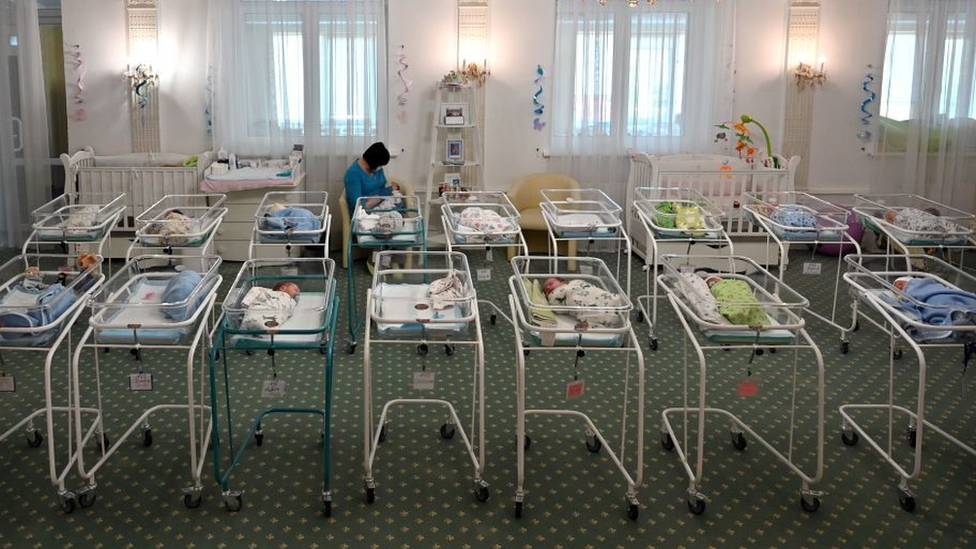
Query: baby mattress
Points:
[739, 337]
[248, 178]
[567, 336]
[309, 314]
[585, 225]
[397, 301]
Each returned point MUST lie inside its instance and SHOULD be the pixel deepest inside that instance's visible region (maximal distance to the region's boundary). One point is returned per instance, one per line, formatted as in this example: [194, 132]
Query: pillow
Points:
[177, 290]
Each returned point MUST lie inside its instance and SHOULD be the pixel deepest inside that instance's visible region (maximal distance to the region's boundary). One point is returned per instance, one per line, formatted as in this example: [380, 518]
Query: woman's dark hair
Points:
[376, 155]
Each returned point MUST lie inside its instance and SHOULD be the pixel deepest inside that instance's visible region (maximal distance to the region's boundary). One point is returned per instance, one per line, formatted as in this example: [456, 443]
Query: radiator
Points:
[721, 179]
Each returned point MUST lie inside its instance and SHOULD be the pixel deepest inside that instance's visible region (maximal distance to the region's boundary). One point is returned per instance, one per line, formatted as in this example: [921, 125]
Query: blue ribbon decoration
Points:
[871, 98]
[539, 108]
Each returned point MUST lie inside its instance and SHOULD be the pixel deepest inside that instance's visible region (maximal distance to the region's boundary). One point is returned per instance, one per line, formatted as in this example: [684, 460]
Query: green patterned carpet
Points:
[574, 498]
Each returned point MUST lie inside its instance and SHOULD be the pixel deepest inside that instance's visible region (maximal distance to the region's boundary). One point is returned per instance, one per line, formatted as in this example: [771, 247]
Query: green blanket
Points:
[543, 317]
[735, 299]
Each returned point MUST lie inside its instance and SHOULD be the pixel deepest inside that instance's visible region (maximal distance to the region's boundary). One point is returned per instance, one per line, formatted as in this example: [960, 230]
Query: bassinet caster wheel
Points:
[666, 441]
[633, 510]
[857, 326]
[350, 348]
[249, 352]
[493, 319]
[528, 443]
[849, 439]
[696, 502]
[652, 343]
[518, 509]
[525, 352]
[34, 438]
[192, 497]
[593, 443]
[738, 441]
[327, 504]
[845, 347]
[104, 440]
[67, 502]
[481, 492]
[447, 430]
[422, 349]
[370, 491]
[907, 499]
[323, 350]
[449, 350]
[810, 506]
[233, 501]
[759, 352]
[147, 439]
[137, 353]
[86, 498]
[258, 438]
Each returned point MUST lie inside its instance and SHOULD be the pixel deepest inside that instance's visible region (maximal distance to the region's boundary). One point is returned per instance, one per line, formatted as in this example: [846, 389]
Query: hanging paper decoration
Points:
[402, 97]
[871, 98]
[208, 111]
[72, 53]
[538, 108]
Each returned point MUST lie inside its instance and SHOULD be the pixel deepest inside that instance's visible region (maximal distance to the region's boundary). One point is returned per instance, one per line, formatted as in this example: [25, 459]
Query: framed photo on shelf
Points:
[453, 181]
[453, 114]
[455, 151]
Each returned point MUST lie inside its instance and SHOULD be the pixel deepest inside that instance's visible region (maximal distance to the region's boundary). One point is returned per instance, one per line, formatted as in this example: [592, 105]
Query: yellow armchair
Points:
[525, 196]
[405, 188]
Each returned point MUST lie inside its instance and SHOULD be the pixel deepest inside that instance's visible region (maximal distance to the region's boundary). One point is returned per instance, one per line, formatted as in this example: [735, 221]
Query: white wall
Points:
[99, 28]
[852, 35]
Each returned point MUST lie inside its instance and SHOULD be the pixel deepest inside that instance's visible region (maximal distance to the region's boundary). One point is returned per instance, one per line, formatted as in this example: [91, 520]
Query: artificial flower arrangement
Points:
[744, 145]
[455, 78]
[470, 72]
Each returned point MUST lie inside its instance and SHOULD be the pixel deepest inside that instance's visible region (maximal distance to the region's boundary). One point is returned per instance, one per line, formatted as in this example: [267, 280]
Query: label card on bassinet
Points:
[289, 271]
[686, 269]
[484, 274]
[8, 384]
[423, 381]
[749, 386]
[140, 382]
[385, 262]
[574, 389]
[273, 388]
[586, 269]
[810, 268]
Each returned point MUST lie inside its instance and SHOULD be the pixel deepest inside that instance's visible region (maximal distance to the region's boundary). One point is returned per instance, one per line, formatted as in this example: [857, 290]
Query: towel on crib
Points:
[444, 292]
[51, 303]
[266, 308]
[735, 302]
[178, 289]
[291, 219]
[543, 317]
[700, 298]
[794, 216]
[582, 294]
[943, 306]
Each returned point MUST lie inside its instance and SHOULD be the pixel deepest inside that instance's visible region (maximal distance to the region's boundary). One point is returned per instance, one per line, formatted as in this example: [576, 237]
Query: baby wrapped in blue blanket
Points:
[791, 215]
[290, 219]
[49, 304]
[937, 304]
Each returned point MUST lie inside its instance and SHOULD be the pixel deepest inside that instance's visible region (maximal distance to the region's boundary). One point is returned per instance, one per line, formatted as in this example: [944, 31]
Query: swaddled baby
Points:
[290, 219]
[794, 216]
[580, 293]
[680, 215]
[483, 220]
[913, 219]
[269, 308]
[174, 223]
[736, 301]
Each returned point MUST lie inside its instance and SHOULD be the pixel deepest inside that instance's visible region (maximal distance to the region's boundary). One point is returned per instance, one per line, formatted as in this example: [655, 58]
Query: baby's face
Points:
[551, 284]
[289, 288]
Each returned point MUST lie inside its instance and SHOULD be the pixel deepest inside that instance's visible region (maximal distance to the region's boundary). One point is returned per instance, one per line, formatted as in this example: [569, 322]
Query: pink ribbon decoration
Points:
[402, 61]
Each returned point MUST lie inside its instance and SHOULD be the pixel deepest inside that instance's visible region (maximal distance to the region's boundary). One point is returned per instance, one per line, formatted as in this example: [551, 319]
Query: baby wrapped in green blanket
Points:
[679, 215]
[736, 301]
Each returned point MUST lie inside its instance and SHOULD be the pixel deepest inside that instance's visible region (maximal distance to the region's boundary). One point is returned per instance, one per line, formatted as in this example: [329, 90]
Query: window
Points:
[956, 97]
[628, 73]
[303, 49]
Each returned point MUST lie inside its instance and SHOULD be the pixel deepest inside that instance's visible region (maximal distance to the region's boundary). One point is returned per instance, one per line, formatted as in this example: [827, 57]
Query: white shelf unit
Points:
[471, 134]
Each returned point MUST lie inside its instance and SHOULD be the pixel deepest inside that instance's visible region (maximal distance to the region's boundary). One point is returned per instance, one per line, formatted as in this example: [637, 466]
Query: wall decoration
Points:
[208, 111]
[871, 97]
[402, 97]
[72, 53]
[538, 108]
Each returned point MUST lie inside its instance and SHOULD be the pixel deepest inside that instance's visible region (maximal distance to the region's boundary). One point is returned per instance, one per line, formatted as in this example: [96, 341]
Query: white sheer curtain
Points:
[928, 101]
[656, 78]
[299, 71]
[25, 178]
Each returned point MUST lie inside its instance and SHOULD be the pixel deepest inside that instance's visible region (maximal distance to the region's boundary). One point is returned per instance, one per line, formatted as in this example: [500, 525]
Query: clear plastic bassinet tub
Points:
[292, 216]
[256, 317]
[40, 292]
[476, 217]
[676, 212]
[798, 216]
[155, 300]
[74, 217]
[422, 295]
[755, 308]
[581, 213]
[944, 226]
[380, 221]
[564, 301]
[180, 220]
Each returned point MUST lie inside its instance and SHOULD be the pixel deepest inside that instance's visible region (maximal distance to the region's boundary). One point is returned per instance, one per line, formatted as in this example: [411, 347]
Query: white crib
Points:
[141, 176]
[723, 180]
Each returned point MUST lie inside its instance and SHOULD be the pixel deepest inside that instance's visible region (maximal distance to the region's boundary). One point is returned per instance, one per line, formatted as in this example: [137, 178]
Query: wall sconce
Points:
[143, 79]
[807, 76]
[472, 40]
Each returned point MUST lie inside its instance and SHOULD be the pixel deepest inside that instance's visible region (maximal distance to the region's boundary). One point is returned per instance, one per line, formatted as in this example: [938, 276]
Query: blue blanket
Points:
[51, 303]
[177, 290]
[939, 305]
[290, 220]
